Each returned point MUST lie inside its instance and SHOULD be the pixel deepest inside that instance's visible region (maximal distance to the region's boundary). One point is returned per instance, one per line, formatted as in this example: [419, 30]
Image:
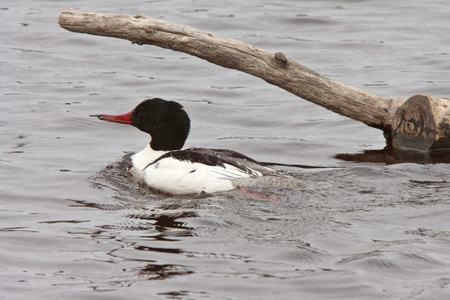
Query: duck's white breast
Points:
[142, 159]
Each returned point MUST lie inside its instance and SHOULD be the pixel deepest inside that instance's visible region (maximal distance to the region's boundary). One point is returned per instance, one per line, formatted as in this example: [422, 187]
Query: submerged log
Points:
[422, 122]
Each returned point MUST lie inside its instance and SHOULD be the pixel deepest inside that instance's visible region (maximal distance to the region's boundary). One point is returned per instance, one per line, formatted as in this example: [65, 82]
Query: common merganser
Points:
[164, 167]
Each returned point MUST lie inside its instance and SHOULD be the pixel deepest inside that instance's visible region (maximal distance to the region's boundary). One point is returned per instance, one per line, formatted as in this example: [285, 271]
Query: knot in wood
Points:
[281, 59]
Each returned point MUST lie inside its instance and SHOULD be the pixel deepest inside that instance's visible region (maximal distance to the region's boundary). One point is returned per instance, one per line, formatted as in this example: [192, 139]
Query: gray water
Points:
[74, 225]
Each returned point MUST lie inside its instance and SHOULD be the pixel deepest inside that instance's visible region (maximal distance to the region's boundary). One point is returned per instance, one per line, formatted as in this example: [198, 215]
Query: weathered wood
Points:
[275, 68]
[422, 122]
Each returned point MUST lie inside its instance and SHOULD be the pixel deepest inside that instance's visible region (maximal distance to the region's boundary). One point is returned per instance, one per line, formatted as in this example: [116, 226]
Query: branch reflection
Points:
[390, 156]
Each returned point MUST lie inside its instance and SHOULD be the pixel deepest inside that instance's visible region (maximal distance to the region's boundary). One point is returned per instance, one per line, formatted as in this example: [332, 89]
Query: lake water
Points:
[74, 225]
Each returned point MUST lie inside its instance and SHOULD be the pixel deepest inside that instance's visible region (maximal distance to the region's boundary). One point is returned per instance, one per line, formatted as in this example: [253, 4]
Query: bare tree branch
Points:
[277, 69]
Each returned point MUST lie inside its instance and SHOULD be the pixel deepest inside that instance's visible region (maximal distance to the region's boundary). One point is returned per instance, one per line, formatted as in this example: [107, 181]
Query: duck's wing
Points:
[274, 180]
[237, 158]
[226, 163]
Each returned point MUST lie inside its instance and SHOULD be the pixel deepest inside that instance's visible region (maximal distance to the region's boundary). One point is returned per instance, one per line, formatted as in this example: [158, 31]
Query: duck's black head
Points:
[166, 122]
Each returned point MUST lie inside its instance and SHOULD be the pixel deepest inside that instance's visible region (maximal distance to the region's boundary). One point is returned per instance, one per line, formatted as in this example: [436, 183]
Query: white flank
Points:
[183, 177]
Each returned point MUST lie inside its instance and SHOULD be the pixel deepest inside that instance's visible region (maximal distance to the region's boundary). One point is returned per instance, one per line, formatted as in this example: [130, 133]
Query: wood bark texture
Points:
[274, 68]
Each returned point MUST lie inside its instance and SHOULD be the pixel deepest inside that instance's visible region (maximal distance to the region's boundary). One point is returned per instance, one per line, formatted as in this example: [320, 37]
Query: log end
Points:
[420, 124]
[63, 16]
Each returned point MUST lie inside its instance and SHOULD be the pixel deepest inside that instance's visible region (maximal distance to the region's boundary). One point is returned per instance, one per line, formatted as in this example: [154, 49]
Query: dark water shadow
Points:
[163, 271]
[391, 156]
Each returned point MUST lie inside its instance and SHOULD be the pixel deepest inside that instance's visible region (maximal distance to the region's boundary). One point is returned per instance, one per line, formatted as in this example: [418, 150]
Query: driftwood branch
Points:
[395, 118]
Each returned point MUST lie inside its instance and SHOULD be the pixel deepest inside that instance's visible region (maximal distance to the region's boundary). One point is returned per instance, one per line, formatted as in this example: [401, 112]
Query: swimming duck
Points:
[163, 166]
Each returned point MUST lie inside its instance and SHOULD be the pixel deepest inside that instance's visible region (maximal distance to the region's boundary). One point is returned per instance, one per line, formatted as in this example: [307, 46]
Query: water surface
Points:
[74, 225]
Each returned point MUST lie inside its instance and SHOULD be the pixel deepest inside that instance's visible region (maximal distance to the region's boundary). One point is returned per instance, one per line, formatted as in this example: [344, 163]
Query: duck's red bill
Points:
[124, 119]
